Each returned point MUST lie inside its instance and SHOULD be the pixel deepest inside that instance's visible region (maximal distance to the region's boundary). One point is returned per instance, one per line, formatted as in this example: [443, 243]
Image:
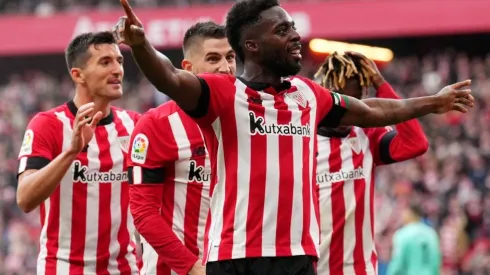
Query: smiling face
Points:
[211, 55]
[278, 47]
[103, 72]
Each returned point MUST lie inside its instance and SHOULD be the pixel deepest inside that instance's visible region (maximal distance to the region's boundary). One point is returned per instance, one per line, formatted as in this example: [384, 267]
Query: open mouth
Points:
[295, 52]
[114, 82]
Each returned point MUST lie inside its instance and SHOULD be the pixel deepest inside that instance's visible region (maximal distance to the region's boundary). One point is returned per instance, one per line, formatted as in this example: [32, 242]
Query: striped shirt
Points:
[345, 187]
[170, 177]
[261, 143]
[85, 223]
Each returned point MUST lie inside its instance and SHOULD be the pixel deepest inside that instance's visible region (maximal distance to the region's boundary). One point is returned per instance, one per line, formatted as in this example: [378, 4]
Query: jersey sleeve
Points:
[217, 91]
[331, 106]
[41, 143]
[148, 151]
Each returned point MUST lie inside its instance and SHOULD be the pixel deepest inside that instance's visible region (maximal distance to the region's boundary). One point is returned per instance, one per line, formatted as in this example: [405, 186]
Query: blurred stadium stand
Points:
[434, 42]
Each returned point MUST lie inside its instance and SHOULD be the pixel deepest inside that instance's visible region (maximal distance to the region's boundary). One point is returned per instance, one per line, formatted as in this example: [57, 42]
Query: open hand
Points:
[84, 127]
[129, 29]
[455, 97]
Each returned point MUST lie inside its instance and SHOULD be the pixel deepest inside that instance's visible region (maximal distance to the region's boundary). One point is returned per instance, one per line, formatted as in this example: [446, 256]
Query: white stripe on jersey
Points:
[93, 191]
[350, 204]
[66, 210]
[243, 180]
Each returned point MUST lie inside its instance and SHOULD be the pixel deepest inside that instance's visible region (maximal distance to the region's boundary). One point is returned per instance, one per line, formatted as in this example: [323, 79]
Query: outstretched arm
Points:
[406, 141]
[379, 112]
[181, 86]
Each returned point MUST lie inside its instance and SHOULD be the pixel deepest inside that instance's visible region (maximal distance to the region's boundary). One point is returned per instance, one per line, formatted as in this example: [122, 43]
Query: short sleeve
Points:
[41, 143]
[217, 91]
[380, 139]
[149, 150]
[331, 106]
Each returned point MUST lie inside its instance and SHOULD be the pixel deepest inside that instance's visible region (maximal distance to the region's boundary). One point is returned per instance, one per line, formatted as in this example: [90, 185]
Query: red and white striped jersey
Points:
[261, 143]
[85, 223]
[170, 172]
[345, 186]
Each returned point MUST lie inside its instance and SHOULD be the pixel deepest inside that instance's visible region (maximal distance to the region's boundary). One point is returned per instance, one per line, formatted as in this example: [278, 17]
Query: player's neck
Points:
[255, 73]
[100, 104]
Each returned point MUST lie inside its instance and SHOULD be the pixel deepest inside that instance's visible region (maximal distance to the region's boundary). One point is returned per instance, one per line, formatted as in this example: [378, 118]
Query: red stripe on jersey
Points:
[308, 190]
[123, 235]
[79, 226]
[255, 211]
[286, 180]
[52, 232]
[192, 204]
[360, 193]
[105, 188]
[338, 217]
[229, 144]
[168, 195]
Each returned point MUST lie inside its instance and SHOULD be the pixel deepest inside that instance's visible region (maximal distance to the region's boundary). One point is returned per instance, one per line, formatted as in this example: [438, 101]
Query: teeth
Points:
[297, 51]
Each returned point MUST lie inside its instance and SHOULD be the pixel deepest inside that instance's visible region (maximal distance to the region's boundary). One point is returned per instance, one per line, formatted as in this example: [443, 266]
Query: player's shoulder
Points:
[123, 113]
[213, 78]
[306, 83]
[50, 117]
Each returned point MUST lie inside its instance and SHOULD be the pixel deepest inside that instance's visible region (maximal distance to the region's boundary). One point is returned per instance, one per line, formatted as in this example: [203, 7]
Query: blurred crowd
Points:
[46, 7]
[452, 179]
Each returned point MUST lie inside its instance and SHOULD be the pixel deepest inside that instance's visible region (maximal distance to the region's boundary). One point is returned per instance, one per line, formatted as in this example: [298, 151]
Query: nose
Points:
[118, 69]
[224, 67]
[295, 35]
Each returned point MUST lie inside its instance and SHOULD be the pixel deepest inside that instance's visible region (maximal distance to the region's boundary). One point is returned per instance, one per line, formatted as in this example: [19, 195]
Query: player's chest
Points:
[286, 114]
[193, 166]
[343, 160]
[103, 160]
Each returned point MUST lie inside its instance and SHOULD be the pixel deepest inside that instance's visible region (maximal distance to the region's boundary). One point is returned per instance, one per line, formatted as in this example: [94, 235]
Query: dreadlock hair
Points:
[243, 15]
[337, 69]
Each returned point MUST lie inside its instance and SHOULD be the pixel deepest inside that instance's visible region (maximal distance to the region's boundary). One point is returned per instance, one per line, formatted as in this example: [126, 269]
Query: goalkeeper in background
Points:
[416, 249]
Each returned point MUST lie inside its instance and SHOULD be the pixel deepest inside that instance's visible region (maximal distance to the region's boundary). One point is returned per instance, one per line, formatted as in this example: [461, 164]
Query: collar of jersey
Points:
[266, 87]
[105, 121]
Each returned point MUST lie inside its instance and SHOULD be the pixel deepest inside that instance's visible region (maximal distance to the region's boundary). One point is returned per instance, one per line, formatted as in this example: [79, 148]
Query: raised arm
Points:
[379, 112]
[181, 86]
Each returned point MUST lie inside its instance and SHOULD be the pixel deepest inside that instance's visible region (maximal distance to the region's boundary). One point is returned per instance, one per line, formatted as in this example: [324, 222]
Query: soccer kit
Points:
[416, 251]
[85, 222]
[345, 186]
[261, 143]
[169, 192]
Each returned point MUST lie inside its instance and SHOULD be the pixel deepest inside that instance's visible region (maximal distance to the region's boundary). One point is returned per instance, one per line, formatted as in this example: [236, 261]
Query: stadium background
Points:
[434, 42]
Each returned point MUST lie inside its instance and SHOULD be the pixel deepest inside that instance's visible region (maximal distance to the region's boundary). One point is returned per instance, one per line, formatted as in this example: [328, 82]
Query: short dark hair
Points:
[244, 14]
[76, 53]
[208, 29]
[417, 208]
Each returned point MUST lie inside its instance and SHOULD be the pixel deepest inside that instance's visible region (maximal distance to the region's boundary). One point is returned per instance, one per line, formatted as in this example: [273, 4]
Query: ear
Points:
[77, 76]
[186, 65]
[251, 46]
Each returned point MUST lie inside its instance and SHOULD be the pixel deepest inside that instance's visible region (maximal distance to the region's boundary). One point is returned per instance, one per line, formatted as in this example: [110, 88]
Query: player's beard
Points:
[280, 66]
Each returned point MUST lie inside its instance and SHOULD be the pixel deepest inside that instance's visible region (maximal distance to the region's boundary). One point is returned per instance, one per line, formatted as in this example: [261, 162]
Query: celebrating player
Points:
[170, 169]
[72, 165]
[347, 157]
[260, 131]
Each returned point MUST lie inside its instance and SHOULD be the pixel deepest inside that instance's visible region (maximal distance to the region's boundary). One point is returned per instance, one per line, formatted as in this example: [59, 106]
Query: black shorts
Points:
[296, 265]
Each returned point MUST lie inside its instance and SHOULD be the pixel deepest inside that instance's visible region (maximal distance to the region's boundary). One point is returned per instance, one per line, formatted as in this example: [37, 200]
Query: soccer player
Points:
[347, 158]
[260, 132]
[416, 249]
[170, 169]
[72, 165]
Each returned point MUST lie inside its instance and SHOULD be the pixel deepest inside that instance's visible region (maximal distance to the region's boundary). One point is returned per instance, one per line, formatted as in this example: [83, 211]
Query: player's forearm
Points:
[384, 112]
[156, 231]
[38, 186]
[155, 66]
